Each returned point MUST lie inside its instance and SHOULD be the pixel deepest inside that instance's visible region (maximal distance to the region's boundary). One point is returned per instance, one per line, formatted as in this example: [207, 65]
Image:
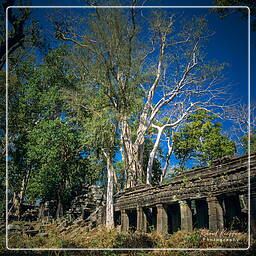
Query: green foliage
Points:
[24, 32]
[115, 60]
[45, 142]
[244, 141]
[30, 99]
[243, 11]
[200, 139]
[54, 155]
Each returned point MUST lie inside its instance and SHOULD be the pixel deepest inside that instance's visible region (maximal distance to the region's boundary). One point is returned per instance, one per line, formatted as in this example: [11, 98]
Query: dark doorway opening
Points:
[151, 216]
[117, 218]
[173, 213]
[132, 216]
[200, 213]
[234, 218]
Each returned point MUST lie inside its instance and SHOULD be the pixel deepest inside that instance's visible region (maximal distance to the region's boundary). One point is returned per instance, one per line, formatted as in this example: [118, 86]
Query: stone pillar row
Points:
[215, 212]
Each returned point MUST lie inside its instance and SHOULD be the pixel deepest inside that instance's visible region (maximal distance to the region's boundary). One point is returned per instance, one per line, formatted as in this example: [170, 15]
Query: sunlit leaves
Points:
[201, 139]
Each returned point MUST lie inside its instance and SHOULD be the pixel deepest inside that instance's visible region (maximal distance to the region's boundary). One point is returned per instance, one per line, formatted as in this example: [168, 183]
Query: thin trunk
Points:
[21, 194]
[124, 173]
[170, 149]
[24, 186]
[166, 164]
[165, 168]
[110, 201]
[115, 179]
[152, 156]
[59, 212]
[139, 150]
[15, 208]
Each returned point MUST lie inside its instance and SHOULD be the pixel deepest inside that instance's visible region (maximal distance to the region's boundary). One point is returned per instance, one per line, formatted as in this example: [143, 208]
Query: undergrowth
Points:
[103, 238]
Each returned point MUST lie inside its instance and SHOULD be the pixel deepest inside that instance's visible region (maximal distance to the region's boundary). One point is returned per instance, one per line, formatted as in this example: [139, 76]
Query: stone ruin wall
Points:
[208, 197]
[197, 199]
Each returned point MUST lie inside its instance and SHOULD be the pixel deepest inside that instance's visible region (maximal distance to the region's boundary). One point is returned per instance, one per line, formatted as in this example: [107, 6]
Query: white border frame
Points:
[132, 249]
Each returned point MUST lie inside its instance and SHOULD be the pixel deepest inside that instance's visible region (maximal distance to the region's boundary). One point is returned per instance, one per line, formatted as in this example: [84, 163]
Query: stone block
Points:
[162, 219]
[186, 216]
[215, 212]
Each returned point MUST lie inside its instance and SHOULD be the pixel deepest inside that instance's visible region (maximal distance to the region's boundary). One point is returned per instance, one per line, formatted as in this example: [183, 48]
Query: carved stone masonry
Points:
[124, 221]
[215, 212]
[186, 216]
[141, 220]
[226, 179]
[162, 219]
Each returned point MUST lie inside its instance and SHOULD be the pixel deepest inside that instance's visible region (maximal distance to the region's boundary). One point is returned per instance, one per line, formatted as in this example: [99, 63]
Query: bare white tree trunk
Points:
[170, 149]
[110, 201]
[189, 89]
[157, 142]
[152, 155]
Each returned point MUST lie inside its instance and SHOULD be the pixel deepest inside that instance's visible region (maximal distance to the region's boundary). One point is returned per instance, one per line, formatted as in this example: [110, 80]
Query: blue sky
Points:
[229, 43]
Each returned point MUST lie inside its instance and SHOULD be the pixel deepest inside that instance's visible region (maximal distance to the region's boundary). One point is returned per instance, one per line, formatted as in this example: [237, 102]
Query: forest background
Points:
[120, 97]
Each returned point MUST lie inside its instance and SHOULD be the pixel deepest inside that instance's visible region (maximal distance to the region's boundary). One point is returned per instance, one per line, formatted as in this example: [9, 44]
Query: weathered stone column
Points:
[141, 220]
[243, 200]
[185, 216]
[215, 212]
[162, 219]
[124, 221]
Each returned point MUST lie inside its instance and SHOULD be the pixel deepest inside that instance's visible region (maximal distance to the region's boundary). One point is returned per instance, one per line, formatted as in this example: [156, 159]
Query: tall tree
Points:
[56, 162]
[168, 76]
[99, 128]
[200, 139]
[35, 97]
[243, 125]
[23, 34]
[23, 30]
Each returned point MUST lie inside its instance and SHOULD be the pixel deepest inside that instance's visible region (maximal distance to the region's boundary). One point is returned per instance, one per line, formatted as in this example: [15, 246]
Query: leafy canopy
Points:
[201, 139]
